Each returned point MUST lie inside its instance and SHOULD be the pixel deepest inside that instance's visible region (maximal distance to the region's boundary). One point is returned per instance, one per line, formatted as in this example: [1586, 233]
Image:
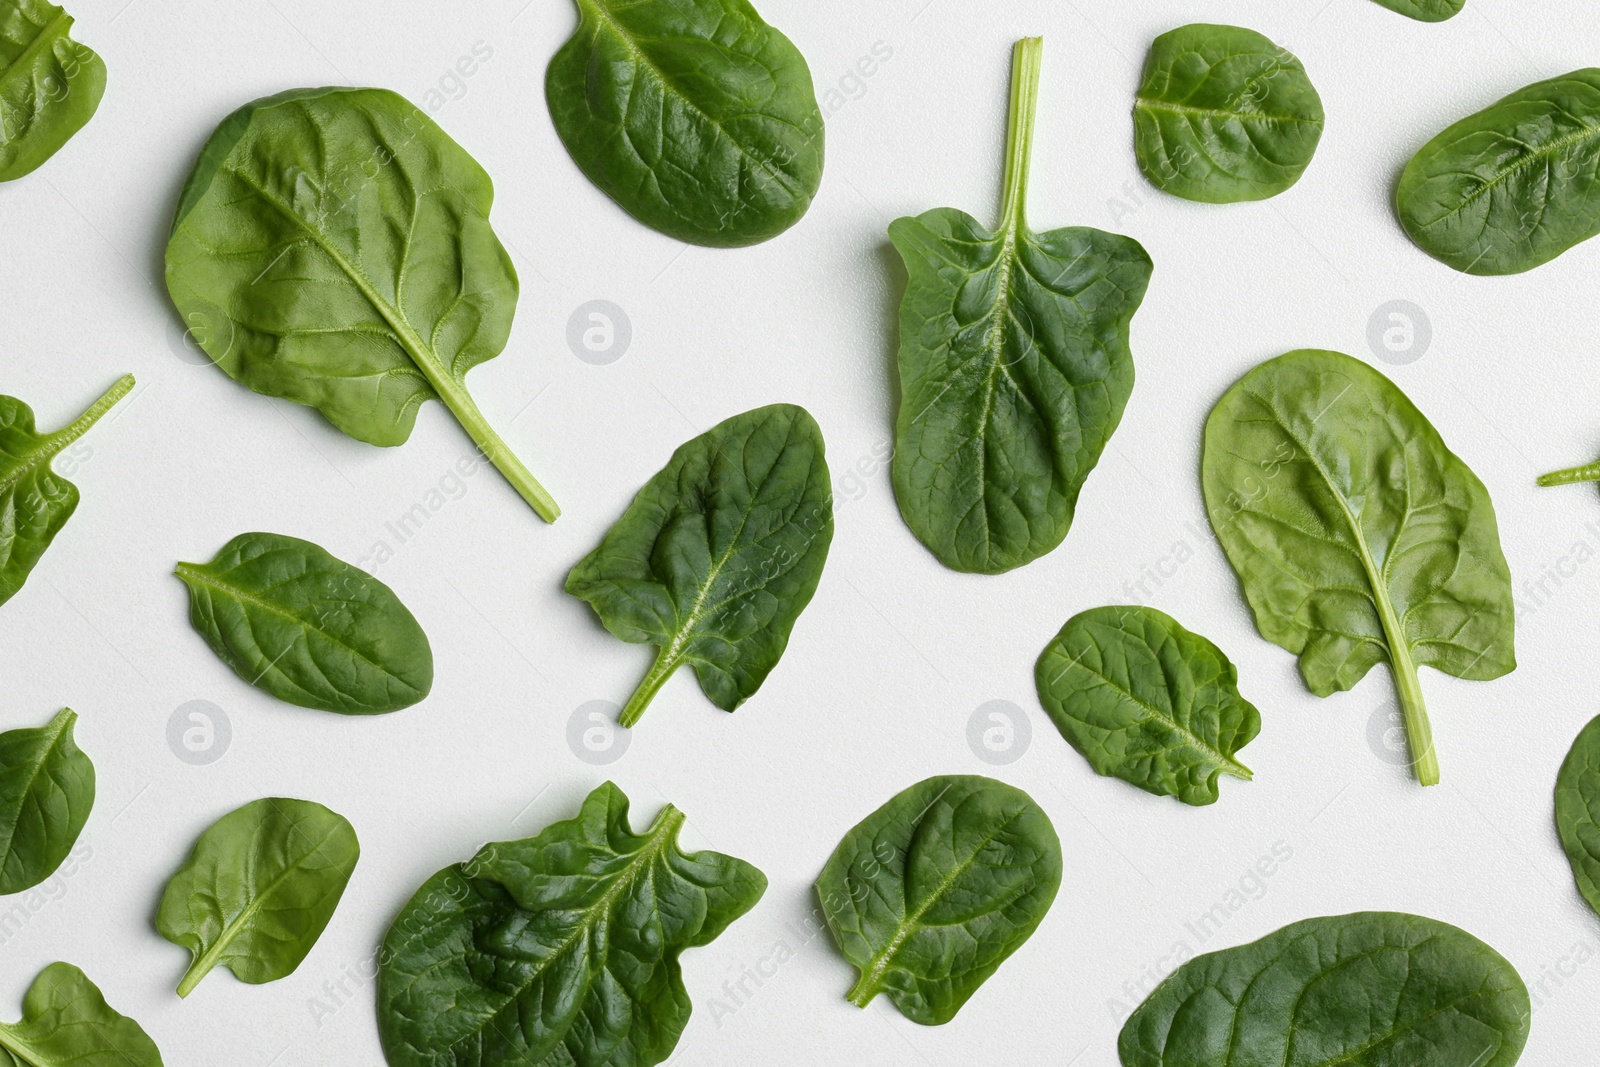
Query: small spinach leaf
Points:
[1357, 536]
[563, 945]
[1147, 701]
[50, 85]
[333, 246]
[1513, 186]
[1371, 988]
[308, 628]
[46, 793]
[1426, 10]
[695, 116]
[1014, 365]
[931, 893]
[36, 501]
[718, 555]
[65, 1020]
[1578, 811]
[259, 889]
[1224, 115]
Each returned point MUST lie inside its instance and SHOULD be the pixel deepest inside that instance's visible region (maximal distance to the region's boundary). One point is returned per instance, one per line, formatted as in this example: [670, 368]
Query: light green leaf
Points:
[1578, 811]
[46, 794]
[1426, 10]
[65, 1021]
[50, 85]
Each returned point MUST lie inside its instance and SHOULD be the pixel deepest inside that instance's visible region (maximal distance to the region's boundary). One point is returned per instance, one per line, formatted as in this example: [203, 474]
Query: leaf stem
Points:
[80, 426]
[659, 672]
[1589, 472]
[465, 409]
[863, 991]
[1027, 59]
[201, 967]
[1419, 734]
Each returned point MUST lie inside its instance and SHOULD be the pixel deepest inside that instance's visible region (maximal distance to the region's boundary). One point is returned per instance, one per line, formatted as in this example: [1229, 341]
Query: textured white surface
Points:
[895, 654]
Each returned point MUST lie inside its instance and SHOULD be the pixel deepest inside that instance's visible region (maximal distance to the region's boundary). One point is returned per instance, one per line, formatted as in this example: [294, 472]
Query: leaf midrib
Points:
[57, 729]
[1219, 113]
[1542, 155]
[55, 28]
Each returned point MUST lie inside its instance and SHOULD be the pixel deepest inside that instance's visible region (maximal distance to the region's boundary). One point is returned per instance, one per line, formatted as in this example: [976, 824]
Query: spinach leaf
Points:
[259, 889]
[333, 246]
[65, 1020]
[308, 628]
[718, 555]
[1358, 537]
[1513, 186]
[50, 85]
[1014, 365]
[36, 501]
[46, 793]
[695, 116]
[563, 945]
[1426, 10]
[1224, 115]
[1578, 811]
[931, 893]
[1147, 701]
[1371, 988]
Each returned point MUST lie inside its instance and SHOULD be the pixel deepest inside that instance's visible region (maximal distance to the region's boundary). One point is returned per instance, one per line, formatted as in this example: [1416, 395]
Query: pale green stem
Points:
[80, 426]
[1419, 734]
[197, 970]
[1027, 58]
[462, 406]
[863, 991]
[660, 671]
[1572, 475]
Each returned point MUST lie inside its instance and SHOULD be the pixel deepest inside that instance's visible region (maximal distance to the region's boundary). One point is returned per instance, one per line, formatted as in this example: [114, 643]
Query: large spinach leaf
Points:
[259, 889]
[1513, 186]
[564, 946]
[718, 555]
[1578, 811]
[1371, 989]
[1224, 115]
[35, 500]
[931, 893]
[50, 85]
[1358, 537]
[695, 116]
[1147, 701]
[333, 246]
[1014, 365]
[1426, 10]
[46, 793]
[308, 628]
[65, 1020]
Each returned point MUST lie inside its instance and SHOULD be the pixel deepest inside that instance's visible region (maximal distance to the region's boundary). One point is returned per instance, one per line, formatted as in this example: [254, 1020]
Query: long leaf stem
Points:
[1419, 733]
[80, 426]
[1027, 59]
[666, 662]
[465, 409]
[1589, 472]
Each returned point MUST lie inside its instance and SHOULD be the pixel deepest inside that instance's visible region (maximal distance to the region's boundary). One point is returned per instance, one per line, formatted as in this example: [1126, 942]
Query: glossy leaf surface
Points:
[559, 950]
[50, 85]
[695, 116]
[308, 628]
[930, 894]
[46, 794]
[1578, 811]
[1147, 701]
[66, 1021]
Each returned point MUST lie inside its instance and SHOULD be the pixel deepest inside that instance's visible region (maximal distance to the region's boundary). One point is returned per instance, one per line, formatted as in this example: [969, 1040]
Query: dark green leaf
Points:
[695, 116]
[308, 628]
[333, 246]
[1014, 365]
[50, 85]
[564, 945]
[36, 501]
[66, 1021]
[1358, 537]
[46, 793]
[1224, 115]
[1147, 701]
[259, 889]
[718, 555]
[1369, 990]
[1578, 811]
[930, 894]
[1426, 10]
[1513, 186]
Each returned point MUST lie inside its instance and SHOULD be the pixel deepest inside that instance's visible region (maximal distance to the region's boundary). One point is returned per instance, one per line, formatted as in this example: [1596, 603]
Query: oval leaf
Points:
[333, 246]
[1372, 988]
[562, 945]
[1147, 701]
[259, 889]
[1578, 811]
[1014, 366]
[1358, 537]
[1513, 186]
[1426, 10]
[50, 85]
[929, 894]
[46, 793]
[695, 116]
[66, 1020]
[308, 628]
[1224, 115]
[718, 555]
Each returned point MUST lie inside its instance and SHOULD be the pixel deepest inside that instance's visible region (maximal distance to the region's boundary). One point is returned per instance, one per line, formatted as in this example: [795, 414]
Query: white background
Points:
[896, 653]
